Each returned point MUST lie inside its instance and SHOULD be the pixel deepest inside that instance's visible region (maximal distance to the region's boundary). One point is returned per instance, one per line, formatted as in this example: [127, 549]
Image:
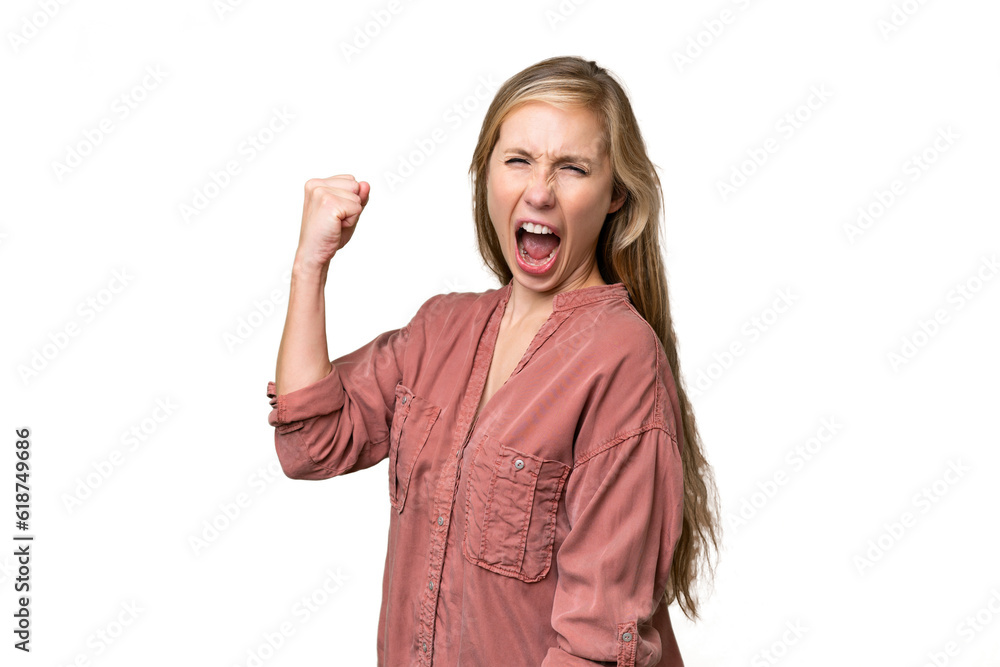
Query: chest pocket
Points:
[412, 419]
[510, 510]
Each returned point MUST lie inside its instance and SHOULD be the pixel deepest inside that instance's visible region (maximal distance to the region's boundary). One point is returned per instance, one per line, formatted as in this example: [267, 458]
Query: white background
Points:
[195, 283]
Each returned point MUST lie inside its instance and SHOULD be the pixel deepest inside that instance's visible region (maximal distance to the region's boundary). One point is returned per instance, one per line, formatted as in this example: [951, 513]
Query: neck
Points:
[526, 304]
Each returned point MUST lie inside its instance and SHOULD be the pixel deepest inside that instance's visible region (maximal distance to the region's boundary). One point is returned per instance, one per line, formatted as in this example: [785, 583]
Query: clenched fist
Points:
[329, 214]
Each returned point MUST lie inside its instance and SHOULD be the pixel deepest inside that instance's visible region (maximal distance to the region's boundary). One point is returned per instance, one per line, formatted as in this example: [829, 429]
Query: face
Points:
[549, 168]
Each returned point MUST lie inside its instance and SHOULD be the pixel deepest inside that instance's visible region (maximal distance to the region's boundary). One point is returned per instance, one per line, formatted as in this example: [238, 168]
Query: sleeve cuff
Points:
[322, 397]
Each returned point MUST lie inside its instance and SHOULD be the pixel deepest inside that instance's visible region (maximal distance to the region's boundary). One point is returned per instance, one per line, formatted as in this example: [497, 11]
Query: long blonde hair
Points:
[628, 251]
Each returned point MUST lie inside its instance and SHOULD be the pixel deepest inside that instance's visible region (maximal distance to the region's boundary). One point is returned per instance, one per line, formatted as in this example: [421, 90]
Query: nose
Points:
[539, 193]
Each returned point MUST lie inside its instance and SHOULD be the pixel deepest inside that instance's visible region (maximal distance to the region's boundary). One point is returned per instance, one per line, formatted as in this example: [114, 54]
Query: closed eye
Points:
[523, 161]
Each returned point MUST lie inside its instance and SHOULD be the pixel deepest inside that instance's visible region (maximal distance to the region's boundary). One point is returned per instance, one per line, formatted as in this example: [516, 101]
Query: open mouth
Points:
[537, 246]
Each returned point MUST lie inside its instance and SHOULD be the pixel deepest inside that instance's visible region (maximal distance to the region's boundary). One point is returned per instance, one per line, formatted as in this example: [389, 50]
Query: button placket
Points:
[445, 495]
[446, 491]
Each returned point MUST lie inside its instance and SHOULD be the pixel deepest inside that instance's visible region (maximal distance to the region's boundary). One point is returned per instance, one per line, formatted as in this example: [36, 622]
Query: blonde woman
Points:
[549, 494]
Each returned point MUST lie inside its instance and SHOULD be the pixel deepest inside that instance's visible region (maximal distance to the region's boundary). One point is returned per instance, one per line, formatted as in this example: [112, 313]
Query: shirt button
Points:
[440, 520]
[626, 636]
[404, 399]
[431, 585]
[425, 647]
[519, 464]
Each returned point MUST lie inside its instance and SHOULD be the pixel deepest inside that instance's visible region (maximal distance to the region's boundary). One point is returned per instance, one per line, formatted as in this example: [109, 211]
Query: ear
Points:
[617, 199]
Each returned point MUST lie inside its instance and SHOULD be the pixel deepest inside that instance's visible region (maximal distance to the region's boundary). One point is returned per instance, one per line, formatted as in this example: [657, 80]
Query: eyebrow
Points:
[559, 158]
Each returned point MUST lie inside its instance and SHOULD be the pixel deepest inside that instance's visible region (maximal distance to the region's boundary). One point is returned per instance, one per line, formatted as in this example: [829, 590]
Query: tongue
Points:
[539, 246]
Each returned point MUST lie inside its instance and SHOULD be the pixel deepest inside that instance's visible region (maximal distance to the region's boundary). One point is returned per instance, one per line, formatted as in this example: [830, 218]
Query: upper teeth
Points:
[535, 229]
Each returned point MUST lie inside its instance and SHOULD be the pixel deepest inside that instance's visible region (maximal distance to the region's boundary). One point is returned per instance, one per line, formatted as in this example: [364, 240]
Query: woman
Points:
[549, 494]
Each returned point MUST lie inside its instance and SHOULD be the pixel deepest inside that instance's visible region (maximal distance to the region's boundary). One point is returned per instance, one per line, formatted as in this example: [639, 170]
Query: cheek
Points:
[496, 215]
[498, 201]
[589, 207]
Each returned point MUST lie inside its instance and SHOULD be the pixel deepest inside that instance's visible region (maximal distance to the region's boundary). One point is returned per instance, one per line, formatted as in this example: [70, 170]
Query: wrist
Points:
[309, 270]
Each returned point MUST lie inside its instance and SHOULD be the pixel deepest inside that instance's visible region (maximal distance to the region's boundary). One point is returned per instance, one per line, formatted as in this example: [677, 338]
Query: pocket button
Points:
[518, 464]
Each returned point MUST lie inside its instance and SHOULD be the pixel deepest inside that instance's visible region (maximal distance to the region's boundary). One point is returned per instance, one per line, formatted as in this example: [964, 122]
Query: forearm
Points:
[302, 355]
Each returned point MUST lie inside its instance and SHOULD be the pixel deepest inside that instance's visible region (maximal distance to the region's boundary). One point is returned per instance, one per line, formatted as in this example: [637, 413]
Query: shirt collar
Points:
[579, 297]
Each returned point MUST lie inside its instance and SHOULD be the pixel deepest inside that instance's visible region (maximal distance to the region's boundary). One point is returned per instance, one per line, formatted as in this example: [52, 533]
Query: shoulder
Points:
[626, 366]
[615, 335]
[454, 309]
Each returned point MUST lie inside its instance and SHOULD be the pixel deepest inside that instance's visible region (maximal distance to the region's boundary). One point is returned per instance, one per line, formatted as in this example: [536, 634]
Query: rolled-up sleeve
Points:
[340, 423]
[624, 503]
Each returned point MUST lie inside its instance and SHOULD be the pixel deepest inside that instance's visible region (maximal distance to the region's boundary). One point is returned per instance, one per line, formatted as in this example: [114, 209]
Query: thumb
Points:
[364, 188]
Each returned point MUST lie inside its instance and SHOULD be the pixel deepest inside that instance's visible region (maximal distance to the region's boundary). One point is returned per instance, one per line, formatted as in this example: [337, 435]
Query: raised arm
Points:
[330, 418]
[330, 212]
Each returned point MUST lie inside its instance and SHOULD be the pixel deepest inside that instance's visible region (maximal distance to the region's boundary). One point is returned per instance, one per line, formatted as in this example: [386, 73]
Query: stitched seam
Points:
[430, 418]
[575, 301]
[401, 412]
[622, 436]
[657, 398]
[550, 528]
[525, 522]
[468, 495]
[487, 514]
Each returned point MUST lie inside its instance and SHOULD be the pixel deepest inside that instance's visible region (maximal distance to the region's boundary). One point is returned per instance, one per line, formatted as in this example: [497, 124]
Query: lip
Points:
[547, 266]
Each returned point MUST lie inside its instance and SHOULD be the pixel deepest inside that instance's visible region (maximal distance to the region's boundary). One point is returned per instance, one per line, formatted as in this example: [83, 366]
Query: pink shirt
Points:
[542, 532]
